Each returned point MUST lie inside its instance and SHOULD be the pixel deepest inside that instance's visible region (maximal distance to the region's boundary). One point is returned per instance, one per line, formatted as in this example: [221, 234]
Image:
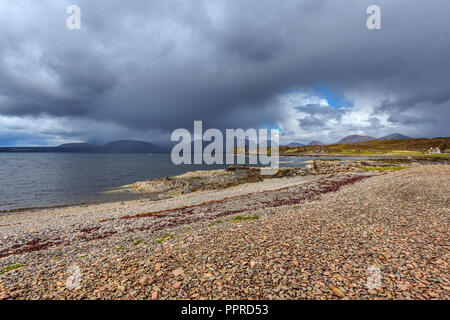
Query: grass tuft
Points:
[168, 236]
[12, 267]
[241, 218]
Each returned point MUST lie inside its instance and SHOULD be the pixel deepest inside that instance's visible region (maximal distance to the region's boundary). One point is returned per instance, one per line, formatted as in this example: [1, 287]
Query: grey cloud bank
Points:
[144, 68]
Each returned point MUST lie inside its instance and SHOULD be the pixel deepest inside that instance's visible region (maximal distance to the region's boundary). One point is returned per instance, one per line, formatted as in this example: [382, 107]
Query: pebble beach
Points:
[304, 237]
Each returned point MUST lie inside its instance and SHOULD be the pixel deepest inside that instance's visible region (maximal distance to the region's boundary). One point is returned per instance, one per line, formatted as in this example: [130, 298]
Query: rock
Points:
[158, 267]
[252, 263]
[4, 296]
[146, 280]
[338, 292]
[176, 285]
[331, 167]
[209, 180]
[16, 294]
[177, 272]
[154, 295]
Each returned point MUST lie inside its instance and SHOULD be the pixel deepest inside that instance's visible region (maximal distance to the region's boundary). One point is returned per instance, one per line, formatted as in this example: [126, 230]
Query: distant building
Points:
[434, 150]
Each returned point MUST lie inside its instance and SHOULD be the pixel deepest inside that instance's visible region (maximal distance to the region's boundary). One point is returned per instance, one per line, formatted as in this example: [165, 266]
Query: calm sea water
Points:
[31, 180]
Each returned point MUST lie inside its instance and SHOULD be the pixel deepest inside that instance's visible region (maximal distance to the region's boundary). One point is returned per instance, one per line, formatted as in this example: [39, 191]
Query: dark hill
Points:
[394, 136]
[315, 143]
[294, 144]
[121, 146]
[355, 139]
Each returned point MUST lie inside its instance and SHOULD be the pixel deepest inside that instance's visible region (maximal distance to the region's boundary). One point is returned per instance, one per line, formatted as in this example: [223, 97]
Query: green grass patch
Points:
[438, 155]
[138, 242]
[402, 147]
[120, 248]
[241, 218]
[385, 168]
[216, 222]
[167, 236]
[12, 267]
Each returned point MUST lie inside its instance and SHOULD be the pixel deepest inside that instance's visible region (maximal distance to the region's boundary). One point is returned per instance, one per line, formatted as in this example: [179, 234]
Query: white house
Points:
[434, 150]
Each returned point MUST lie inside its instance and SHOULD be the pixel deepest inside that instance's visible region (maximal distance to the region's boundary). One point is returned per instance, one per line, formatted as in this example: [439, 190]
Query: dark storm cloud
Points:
[158, 65]
[325, 111]
[405, 119]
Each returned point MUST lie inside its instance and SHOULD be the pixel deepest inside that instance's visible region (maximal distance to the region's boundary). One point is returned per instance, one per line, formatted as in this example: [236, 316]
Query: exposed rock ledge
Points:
[234, 175]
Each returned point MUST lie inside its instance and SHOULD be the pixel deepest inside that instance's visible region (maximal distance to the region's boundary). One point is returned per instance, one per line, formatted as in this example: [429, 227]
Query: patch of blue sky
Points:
[17, 140]
[333, 95]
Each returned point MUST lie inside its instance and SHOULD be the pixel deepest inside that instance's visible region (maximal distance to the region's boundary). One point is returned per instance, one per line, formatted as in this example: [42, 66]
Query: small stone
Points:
[4, 296]
[158, 267]
[338, 292]
[252, 264]
[177, 272]
[16, 294]
[154, 295]
[146, 280]
[176, 285]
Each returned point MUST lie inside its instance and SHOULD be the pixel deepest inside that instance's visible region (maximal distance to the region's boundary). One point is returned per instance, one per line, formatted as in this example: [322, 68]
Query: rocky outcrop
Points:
[210, 180]
[332, 167]
[234, 175]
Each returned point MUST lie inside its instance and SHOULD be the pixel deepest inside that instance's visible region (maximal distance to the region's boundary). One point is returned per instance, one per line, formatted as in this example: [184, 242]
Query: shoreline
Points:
[124, 195]
[134, 190]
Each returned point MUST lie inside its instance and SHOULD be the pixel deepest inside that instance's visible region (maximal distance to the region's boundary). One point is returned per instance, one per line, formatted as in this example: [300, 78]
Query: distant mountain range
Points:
[350, 139]
[315, 143]
[120, 146]
[294, 145]
[135, 146]
[394, 136]
[357, 138]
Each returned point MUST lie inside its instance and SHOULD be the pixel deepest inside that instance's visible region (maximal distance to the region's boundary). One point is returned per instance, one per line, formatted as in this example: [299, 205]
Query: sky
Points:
[141, 69]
